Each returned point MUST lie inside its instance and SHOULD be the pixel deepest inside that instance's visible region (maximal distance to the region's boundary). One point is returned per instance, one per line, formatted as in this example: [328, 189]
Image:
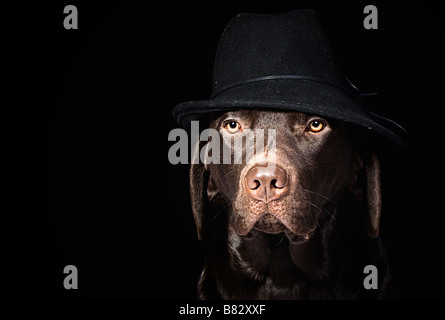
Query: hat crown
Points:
[255, 46]
[282, 62]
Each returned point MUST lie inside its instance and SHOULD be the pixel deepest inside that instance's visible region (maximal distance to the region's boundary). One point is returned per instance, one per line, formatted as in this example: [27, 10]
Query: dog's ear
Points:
[368, 189]
[204, 195]
[199, 179]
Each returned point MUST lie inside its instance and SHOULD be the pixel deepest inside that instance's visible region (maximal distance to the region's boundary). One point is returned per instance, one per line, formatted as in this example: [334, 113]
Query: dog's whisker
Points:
[330, 221]
[323, 208]
[329, 213]
[319, 194]
[229, 172]
[221, 210]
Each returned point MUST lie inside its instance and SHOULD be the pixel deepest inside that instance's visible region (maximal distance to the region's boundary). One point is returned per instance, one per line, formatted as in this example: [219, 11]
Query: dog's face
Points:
[299, 171]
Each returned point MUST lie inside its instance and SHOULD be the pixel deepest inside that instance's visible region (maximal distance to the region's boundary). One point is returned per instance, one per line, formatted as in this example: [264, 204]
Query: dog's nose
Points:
[266, 183]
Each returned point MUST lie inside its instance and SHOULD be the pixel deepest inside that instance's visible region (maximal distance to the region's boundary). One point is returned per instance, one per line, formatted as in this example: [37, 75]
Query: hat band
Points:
[283, 77]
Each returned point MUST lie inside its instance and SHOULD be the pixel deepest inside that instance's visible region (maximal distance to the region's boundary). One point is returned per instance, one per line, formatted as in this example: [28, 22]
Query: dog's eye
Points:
[316, 126]
[232, 126]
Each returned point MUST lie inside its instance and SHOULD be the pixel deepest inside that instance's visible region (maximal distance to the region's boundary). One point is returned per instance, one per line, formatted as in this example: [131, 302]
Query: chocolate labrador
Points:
[303, 227]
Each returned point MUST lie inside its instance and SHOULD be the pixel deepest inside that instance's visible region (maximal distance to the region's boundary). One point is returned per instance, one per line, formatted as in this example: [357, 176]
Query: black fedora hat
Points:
[282, 62]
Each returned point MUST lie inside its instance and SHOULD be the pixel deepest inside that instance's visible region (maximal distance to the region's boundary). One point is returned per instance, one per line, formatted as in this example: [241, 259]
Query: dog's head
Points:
[283, 170]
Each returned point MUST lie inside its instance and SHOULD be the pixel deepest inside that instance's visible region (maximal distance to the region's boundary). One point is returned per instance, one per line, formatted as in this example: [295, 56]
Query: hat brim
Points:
[287, 95]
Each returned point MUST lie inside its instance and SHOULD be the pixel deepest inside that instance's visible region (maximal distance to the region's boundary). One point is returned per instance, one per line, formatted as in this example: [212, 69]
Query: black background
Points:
[87, 114]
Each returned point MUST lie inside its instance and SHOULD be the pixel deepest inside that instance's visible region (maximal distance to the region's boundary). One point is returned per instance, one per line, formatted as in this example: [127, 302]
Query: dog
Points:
[305, 227]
